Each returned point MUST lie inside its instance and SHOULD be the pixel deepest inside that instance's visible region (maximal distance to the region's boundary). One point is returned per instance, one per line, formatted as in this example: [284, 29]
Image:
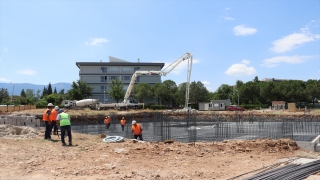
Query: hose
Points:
[110, 139]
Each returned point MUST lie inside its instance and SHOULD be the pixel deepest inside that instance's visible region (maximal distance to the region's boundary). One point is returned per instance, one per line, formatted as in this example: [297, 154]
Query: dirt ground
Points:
[29, 156]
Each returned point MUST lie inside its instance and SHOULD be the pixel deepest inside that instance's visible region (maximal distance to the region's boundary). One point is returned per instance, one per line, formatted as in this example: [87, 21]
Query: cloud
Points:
[293, 40]
[243, 31]
[182, 67]
[6, 49]
[4, 80]
[27, 72]
[275, 61]
[97, 41]
[240, 69]
[225, 15]
[205, 82]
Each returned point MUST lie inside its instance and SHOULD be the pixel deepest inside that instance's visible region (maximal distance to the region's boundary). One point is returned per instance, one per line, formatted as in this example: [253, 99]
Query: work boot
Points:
[64, 144]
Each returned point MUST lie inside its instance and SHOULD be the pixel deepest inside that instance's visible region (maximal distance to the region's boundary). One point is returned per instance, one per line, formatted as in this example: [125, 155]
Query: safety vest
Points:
[136, 129]
[122, 122]
[107, 120]
[44, 116]
[64, 119]
[53, 115]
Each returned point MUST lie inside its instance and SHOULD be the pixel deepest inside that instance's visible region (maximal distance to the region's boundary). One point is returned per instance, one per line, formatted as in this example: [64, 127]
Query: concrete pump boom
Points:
[164, 72]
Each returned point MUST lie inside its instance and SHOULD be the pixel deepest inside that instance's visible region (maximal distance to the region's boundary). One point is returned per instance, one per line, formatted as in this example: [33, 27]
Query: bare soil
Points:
[24, 154]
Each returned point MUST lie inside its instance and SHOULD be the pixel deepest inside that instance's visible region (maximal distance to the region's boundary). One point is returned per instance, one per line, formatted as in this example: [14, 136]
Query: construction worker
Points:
[123, 123]
[47, 120]
[54, 114]
[136, 130]
[107, 122]
[64, 122]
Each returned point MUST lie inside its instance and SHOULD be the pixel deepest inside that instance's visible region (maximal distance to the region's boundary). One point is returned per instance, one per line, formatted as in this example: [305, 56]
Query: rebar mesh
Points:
[193, 127]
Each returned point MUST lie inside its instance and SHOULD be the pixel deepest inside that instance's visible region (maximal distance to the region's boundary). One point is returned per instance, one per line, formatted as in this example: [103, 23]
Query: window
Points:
[114, 69]
[103, 78]
[113, 77]
[210, 105]
[103, 69]
[103, 88]
[138, 79]
[136, 69]
[125, 87]
[125, 78]
[127, 69]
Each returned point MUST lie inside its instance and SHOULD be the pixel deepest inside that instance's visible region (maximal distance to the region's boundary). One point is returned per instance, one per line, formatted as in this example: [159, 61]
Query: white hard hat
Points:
[56, 108]
[50, 104]
[134, 122]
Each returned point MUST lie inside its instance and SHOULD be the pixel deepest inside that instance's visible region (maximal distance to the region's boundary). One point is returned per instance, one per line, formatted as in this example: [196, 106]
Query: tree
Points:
[223, 92]
[30, 96]
[23, 94]
[44, 92]
[181, 94]
[4, 96]
[168, 92]
[198, 92]
[142, 92]
[79, 90]
[49, 89]
[157, 91]
[55, 90]
[116, 90]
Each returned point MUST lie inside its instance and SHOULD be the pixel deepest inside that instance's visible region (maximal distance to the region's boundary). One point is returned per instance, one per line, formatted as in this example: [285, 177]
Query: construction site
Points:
[177, 145]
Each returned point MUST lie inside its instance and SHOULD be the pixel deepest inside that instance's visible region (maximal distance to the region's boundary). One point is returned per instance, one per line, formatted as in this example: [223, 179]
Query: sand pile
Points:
[10, 131]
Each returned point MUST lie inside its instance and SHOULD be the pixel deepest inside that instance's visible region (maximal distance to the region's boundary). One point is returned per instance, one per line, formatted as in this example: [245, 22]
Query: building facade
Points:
[99, 75]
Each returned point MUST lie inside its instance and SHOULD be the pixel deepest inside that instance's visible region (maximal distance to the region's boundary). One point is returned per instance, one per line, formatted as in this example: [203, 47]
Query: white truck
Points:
[92, 103]
[127, 104]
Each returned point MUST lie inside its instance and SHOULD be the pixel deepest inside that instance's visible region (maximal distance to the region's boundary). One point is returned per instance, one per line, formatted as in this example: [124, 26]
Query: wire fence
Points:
[194, 127]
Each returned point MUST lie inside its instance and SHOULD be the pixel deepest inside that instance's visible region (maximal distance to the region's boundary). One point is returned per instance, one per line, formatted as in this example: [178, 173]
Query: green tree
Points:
[169, 90]
[4, 95]
[55, 90]
[79, 90]
[198, 92]
[49, 89]
[116, 90]
[30, 96]
[142, 92]
[223, 92]
[23, 94]
[157, 90]
[44, 92]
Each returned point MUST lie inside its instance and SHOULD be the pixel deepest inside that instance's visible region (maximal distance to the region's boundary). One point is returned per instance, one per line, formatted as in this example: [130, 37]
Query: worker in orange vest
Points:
[47, 116]
[136, 130]
[123, 123]
[107, 122]
[54, 114]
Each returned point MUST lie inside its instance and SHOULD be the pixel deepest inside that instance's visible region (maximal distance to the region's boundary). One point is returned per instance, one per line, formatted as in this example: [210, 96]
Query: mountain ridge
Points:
[16, 88]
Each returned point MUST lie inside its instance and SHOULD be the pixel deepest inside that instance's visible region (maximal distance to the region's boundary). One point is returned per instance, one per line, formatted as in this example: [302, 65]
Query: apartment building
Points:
[99, 75]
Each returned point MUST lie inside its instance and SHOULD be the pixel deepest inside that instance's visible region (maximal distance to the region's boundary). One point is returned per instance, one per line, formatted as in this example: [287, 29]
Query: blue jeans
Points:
[122, 127]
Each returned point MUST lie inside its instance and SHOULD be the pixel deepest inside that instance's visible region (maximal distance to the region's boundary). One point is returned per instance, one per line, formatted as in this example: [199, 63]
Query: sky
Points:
[230, 40]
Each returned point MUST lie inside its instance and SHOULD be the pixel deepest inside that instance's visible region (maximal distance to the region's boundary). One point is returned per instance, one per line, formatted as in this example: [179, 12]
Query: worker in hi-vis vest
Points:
[47, 116]
[136, 130]
[63, 120]
[54, 114]
[107, 122]
[123, 123]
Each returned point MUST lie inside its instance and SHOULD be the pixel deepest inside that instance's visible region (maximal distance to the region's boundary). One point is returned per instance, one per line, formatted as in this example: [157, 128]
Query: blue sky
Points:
[40, 41]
